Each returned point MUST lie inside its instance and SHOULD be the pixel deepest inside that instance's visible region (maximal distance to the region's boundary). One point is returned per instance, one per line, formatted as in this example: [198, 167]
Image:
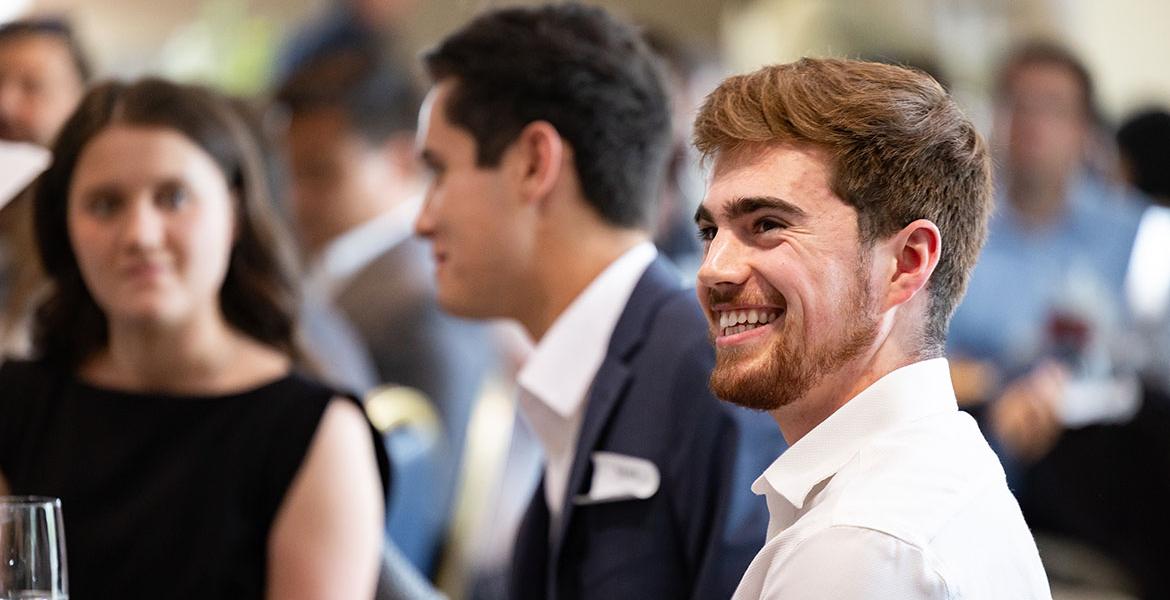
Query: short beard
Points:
[791, 371]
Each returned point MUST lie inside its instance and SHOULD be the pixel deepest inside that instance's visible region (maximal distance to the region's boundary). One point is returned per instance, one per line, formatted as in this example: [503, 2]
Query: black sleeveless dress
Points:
[162, 496]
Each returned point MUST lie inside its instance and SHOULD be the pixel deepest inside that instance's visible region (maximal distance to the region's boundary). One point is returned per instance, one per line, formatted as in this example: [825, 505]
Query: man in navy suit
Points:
[546, 132]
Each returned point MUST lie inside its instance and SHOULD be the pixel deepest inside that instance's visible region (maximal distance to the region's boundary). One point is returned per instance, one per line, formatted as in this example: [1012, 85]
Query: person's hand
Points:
[974, 381]
[1025, 418]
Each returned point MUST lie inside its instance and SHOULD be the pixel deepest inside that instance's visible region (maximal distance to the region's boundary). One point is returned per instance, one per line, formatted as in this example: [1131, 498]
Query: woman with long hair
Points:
[164, 407]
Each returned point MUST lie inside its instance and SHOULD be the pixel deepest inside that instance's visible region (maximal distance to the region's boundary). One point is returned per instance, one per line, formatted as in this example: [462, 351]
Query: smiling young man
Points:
[545, 132]
[847, 205]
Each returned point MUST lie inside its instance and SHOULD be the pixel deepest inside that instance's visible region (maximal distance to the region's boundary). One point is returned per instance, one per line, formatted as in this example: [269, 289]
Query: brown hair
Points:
[53, 28]
[258, 294]
[899, 150]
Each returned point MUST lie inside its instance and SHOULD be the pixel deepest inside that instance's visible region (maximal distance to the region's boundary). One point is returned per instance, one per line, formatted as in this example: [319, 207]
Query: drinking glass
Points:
[32, 549]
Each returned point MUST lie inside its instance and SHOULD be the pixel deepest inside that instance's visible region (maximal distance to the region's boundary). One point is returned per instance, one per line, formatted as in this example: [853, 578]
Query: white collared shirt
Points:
[555, 380]
[896, 495]
[347, 254]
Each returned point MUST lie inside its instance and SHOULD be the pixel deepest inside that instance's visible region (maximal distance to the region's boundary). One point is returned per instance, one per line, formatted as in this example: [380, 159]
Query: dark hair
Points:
[899, 150]
[576, 67]
[378, 98]
[1144, 141]
[53, 28]
[258, 295]
[1042, 52]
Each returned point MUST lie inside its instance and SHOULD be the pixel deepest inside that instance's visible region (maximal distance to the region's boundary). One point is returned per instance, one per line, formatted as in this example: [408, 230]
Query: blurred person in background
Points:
[43, 74]
[1143, 143]
[685, 68]
[164, 407]
[42, 78]
[546, 133]
[347, 25]
[1044, 344]
[356, 186]
[1044, 306]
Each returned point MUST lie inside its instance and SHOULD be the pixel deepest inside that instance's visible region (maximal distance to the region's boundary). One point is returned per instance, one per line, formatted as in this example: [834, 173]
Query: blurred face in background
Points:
[39, 87]
[384, 14]
[1042, 122]
[338, 177]
[151, 221]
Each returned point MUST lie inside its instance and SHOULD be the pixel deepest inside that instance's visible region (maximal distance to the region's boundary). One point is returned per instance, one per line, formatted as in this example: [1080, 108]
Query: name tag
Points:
[619, 477]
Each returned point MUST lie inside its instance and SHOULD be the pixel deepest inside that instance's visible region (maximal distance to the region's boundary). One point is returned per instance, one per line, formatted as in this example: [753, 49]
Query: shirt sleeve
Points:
[846, 562]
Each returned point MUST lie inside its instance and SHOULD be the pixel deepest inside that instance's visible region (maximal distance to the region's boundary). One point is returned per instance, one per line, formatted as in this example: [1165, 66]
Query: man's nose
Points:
[725, 262]
[424, 223]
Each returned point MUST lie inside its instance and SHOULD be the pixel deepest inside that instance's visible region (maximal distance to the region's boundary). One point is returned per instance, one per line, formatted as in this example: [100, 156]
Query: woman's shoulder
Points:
[313, 413]
[290, 406]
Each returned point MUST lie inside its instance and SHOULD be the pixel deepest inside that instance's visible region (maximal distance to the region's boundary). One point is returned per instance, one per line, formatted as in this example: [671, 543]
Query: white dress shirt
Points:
[556, 378]
[896, 495]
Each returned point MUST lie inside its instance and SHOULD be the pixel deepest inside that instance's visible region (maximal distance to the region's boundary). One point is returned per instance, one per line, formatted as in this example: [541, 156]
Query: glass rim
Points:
[30, 501]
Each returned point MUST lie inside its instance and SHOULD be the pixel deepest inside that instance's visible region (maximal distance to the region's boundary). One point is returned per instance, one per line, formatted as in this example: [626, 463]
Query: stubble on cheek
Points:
[767, 378]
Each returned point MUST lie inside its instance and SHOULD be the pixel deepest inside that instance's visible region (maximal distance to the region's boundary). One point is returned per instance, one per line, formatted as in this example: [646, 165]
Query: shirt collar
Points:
[902, 396]
[351, 251]
[564, 362]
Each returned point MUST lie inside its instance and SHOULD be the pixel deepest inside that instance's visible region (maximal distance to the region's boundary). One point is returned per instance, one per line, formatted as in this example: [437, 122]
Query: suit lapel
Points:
[608, 386]
[391, 279]
[530, 556]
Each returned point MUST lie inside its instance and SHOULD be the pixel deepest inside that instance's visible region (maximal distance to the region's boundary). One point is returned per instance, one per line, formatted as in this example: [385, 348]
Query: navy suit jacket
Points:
[650, 399]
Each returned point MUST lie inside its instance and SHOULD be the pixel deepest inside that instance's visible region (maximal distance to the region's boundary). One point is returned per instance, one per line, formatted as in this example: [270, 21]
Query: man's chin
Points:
[468, 304]
[10, 133]
[456, 303]
[752, 389]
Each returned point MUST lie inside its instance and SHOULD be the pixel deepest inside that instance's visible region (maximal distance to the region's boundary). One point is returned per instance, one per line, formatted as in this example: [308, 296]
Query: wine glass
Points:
[32, 549]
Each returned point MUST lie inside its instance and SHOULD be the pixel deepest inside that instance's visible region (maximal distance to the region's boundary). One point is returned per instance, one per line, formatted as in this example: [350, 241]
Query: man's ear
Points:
[914, 253]
[537, 158]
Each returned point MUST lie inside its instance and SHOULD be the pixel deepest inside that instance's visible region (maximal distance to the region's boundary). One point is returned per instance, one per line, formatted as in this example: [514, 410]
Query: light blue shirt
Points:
[1077, 264]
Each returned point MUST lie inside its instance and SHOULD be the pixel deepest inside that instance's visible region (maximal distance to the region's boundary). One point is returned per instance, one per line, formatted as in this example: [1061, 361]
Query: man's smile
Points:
[732, 323]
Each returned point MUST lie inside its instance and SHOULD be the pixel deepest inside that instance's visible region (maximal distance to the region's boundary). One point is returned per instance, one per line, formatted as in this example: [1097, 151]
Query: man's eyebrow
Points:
[746, 206]
[702, 214]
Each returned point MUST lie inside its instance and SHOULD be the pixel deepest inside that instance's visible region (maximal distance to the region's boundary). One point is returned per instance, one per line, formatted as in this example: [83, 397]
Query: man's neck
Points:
[837, 388]
[568, 266]
[1038, 201]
